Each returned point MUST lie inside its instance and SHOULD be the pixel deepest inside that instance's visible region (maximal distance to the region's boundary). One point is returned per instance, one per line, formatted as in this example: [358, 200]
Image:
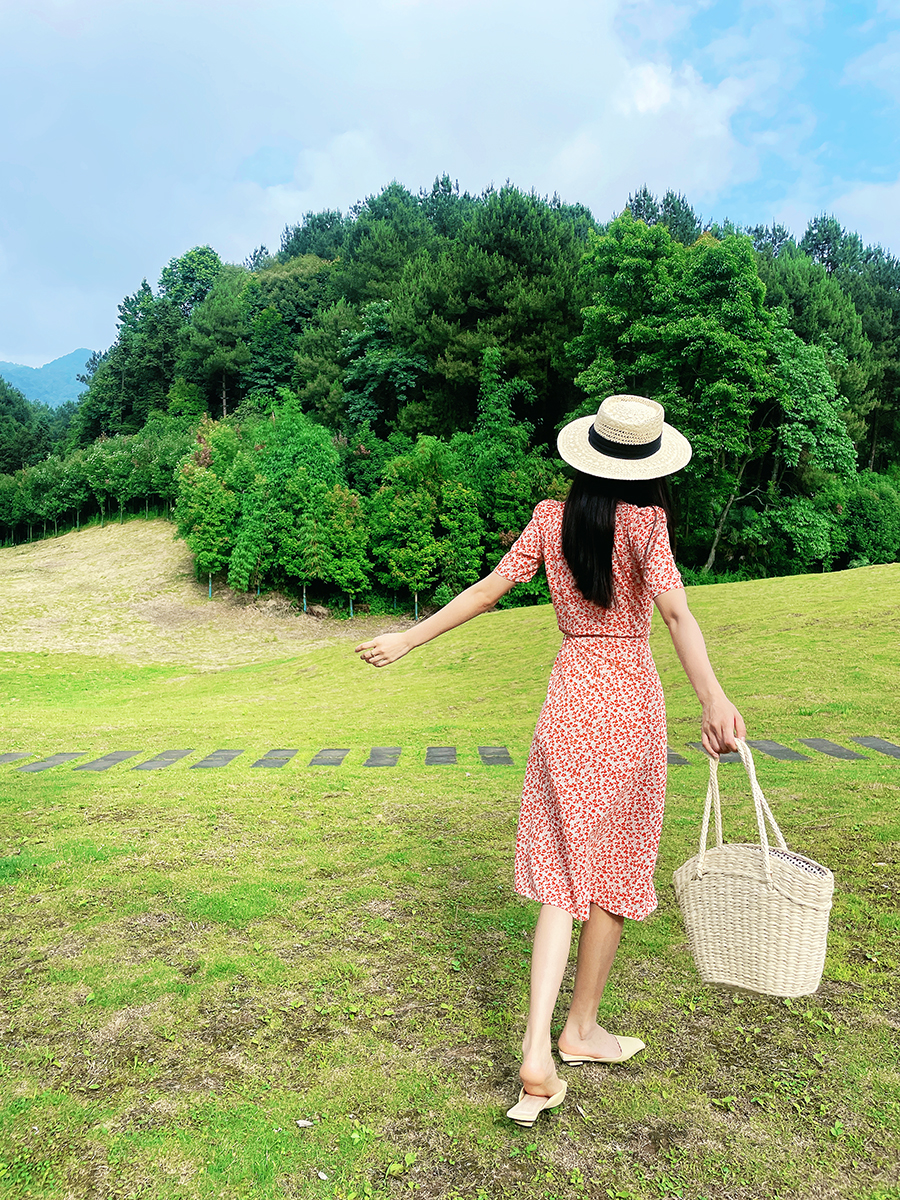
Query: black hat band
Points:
[619, 449]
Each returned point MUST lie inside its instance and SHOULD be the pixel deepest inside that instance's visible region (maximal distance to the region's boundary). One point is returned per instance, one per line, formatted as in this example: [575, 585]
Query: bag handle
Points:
[763, 812]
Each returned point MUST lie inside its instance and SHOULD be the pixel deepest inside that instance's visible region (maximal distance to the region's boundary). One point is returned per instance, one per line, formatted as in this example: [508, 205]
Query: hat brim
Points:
[575, 449]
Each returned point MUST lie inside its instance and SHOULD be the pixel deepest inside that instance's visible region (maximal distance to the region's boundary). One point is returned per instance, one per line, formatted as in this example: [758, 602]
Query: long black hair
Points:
[589, 526]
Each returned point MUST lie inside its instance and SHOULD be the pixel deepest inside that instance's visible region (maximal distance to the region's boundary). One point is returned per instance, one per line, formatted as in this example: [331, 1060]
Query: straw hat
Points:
[628, 439]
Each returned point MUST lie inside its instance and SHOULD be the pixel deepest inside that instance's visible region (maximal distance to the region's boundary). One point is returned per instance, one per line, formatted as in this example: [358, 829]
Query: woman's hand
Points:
[478, 598]
[385, 649]
[720, 724]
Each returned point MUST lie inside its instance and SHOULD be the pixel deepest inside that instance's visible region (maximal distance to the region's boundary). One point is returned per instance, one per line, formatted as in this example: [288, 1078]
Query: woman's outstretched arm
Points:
[474, 600]
[721, 721]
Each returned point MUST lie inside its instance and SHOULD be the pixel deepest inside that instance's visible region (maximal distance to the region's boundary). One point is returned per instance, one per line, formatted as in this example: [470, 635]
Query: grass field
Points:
[310, 982]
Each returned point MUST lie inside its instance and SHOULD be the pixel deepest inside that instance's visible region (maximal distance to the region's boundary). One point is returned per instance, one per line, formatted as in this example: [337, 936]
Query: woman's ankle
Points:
[579, 1030]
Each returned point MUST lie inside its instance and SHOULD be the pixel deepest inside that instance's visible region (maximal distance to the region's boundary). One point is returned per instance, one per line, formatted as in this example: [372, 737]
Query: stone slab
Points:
[879, 744]
[162, 760]
[108, 760]
[440, 756]
[53, 761]
[275, 758]
[731, 756]
[328, 758]
[674, 759]
[495, 756]
[776, 750]
[218, 758]
[832, 749]
[15, 755]
[383, 756]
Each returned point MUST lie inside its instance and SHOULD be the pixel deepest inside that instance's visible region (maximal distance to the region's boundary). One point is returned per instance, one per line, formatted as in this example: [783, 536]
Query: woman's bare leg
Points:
[549, 956]
[597, 947]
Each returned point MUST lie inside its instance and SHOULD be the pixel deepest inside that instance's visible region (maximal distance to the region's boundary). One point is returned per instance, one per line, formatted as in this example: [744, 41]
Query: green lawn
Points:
[310, 982]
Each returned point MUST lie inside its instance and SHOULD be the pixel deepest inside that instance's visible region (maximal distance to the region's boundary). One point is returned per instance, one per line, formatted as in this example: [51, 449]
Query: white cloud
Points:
[871, 210]
[878, 66]
[138, 128]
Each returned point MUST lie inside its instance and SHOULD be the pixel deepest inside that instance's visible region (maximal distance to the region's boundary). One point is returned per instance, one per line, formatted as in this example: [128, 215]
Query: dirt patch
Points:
[129, 591]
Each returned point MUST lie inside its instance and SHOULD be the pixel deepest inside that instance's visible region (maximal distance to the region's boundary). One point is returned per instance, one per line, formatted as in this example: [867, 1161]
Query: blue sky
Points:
[131, 130]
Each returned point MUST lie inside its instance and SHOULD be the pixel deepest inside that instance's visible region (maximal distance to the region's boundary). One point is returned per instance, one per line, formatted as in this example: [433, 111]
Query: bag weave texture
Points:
[756, 917]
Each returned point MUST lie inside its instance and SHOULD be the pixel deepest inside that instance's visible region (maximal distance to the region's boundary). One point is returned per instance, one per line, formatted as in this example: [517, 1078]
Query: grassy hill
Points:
[310, 981]
[113, 621]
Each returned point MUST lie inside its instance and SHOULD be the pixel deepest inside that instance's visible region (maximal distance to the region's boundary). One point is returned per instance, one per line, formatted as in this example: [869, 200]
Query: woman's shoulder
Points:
[640, 518]
[548, 510]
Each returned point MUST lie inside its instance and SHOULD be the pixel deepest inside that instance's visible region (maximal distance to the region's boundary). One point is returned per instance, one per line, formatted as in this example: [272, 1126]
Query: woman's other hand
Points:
[384, 649]
[720, 725]
[721, 722]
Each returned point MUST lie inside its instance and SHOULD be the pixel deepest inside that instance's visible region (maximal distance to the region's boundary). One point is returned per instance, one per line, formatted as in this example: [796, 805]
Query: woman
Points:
[594, 788]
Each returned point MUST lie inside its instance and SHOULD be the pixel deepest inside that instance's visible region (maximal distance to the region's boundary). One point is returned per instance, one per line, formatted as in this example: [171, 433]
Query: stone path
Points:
[163, 759]
[108, 760]
[832, 749]
[218, 758]
[328, 758]
[383, 756]
[440, 756]
[435, 756]
[53, 761]
[275, 758]
[879, 744]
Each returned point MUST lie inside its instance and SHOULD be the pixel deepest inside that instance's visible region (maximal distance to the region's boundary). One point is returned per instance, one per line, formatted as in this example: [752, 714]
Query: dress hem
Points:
[574, 911]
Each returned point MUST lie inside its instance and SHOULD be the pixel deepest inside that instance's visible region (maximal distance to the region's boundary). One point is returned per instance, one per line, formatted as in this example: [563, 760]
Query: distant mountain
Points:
[52, 384]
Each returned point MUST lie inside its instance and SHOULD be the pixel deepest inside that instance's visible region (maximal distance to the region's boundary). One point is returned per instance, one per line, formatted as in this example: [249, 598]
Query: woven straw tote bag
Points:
[756, 917]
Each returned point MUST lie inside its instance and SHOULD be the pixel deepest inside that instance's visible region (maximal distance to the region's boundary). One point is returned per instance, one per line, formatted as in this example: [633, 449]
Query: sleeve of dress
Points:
[525, 555]
[654, 552]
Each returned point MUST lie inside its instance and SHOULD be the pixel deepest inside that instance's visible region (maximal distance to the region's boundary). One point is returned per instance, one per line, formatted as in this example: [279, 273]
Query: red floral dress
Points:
[592, 803]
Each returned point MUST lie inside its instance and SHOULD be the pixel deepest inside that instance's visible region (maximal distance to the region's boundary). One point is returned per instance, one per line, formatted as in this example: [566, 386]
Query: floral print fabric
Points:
[594, 792]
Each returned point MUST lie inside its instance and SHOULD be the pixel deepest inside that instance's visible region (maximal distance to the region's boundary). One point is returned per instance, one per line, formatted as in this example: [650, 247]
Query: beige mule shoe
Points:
[628, 1047]
[529, 1107]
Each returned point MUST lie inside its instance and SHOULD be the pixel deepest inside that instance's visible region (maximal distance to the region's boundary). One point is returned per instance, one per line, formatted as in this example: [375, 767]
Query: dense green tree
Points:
[270, 353]
[24, 429]
[346, 522]
[686, 325]
[405, 542]
[296, 289]
[76, 485]
[445, 209]
[507, 476]
[679, 218]
[827, 243]
[874, 287]
[820, 312]
[673, 211]
[49, 492]
[379, 378]
[214, 351]
[321, 234]
[305, 549]
[872, 518]
[644, 206]
[133, 378]
[812, 431]
[400, 372]
[205, 515]
[770, 240]
[386, 231]
[254, 540]
[462, 536]
[188, 280]
[510, 279]
[318, 369]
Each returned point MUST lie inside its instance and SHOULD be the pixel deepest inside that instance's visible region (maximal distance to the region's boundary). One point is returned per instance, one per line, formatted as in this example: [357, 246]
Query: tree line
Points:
[372, 409]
